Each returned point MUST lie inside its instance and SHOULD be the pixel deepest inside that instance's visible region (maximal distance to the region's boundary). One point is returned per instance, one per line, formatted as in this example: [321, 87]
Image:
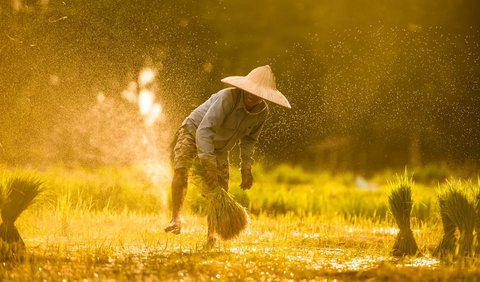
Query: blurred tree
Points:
[277, 33]
[56, 58]
[386, 82]
[17, 49]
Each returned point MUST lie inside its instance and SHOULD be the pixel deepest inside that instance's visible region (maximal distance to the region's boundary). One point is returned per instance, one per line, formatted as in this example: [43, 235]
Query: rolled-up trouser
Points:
[184, 153]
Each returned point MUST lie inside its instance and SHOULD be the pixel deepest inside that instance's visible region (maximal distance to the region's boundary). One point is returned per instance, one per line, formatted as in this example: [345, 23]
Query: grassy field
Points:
[107, 225]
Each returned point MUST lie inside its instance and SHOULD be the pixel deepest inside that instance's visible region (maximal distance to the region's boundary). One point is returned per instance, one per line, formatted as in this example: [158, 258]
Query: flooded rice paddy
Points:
[135, 248]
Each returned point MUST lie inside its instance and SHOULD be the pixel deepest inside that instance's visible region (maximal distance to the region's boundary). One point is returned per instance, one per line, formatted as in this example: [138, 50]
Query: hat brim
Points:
[269, 94]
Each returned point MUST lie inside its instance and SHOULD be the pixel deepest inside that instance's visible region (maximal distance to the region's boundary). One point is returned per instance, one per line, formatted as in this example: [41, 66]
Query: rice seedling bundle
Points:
[477, 222]
[18, 194]
[400, 201]
[225, 216]
[461, 212]
[448, 243]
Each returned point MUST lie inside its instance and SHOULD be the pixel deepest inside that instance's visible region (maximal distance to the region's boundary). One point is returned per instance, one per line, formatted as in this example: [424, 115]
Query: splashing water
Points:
[145, 101]
[155, 164]
[125, 130]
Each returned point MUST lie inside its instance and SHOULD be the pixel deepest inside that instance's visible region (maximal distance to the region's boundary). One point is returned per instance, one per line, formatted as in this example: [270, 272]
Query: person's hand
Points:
[247, 179]
[211, 178]
[211, 175]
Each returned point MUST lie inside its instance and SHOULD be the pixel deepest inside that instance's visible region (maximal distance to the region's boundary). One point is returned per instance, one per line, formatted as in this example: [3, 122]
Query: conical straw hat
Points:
[260, 82]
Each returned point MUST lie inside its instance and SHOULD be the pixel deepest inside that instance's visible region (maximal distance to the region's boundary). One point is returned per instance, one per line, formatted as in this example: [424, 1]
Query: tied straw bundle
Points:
[17, 195]
[477, 223]
[461, 211]
[477, 213]
[225, 216]
[449, 241]
[400, 200]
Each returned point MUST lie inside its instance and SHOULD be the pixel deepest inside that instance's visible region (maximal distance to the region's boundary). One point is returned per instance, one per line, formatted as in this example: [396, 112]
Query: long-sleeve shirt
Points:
[222, 121]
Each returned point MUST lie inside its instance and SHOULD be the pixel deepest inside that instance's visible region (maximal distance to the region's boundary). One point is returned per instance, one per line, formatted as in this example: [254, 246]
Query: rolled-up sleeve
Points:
[247, 146]
[210, 124]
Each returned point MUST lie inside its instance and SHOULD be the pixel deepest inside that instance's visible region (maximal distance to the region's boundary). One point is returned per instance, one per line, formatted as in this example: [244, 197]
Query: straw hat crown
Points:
[260, 82]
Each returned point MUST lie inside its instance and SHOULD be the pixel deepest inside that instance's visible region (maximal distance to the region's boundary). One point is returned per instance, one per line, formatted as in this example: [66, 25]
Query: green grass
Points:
[107, 224]
[296, 192]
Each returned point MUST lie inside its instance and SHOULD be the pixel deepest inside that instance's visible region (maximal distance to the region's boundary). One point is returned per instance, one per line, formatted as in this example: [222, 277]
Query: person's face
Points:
[251, 100]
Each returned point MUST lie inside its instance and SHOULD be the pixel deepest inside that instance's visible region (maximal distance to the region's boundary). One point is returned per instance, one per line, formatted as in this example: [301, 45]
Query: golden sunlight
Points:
[145, 101]
[130, 94]
[154, 114]
[146, 76]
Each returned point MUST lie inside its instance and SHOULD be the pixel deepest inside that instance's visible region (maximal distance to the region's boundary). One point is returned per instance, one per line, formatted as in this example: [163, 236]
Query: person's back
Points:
[223, 120]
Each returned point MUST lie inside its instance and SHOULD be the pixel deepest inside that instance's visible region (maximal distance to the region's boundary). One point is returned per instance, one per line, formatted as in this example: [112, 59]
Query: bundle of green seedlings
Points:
[225, 216]
[458, 209]
[400, 201]
[449, 241]
[477, 216]
[17, 194]
[477, 222]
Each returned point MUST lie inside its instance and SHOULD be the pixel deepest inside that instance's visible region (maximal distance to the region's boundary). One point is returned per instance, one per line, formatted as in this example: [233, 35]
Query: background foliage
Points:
[372, 83]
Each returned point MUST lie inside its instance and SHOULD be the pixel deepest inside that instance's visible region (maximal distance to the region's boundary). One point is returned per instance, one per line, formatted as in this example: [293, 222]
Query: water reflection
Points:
[426, 262]
[338, 260]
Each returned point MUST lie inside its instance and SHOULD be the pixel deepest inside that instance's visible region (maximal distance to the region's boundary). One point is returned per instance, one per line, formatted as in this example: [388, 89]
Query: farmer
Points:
[235, 114]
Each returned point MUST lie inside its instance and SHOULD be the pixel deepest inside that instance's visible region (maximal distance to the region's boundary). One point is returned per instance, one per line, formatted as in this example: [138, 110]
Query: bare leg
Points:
[179, 190]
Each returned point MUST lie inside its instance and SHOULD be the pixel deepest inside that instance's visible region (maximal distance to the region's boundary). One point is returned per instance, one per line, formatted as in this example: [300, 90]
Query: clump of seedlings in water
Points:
[458, 212]
[17, 194]
[400, 201]
[449, 241]
[225, 216]
[477, 221]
